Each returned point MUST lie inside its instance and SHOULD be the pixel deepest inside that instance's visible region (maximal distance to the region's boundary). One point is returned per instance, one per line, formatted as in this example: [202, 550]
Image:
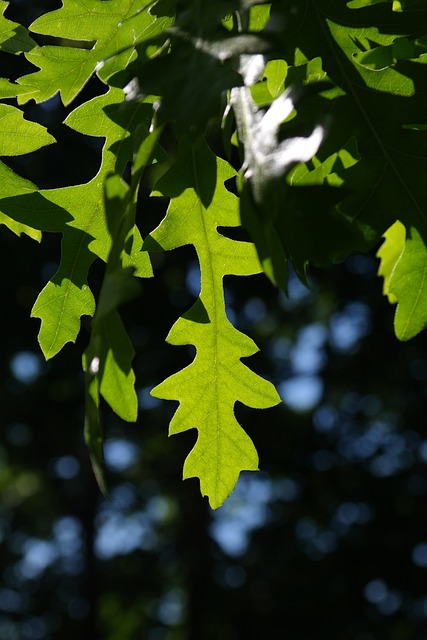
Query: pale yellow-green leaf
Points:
[389, 254]
[14, 37]
[13, 185]
[100, 30]
[19, 135]
[408, 285]
[65, 298]
[275, 72]
[208, 389]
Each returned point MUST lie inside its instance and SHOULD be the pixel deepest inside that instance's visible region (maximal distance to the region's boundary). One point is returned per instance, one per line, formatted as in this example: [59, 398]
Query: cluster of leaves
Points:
[327, 106]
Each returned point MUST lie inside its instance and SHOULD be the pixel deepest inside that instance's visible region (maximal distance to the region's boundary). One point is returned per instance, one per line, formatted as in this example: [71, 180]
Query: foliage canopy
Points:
[321, 112]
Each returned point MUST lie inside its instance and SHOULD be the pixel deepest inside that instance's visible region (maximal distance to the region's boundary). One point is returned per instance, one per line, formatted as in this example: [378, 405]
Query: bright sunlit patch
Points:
[349, 326]
[301, 393]
[120, 534]
[52, 103]
[245, 510]
[38, 556]
[308, 355]
[254, 310]
[26, 366]
[120, 454]
[146, 400]
[192, 279]
[94, 366]
[66, 467]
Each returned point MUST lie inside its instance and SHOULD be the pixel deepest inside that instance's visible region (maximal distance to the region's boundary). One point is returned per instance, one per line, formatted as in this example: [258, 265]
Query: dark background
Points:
[328, 540]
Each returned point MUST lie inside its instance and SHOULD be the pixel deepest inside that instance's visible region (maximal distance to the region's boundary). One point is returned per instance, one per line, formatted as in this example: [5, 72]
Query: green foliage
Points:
[326, 104]
[390, 253]
[404, 267]
[208, 388]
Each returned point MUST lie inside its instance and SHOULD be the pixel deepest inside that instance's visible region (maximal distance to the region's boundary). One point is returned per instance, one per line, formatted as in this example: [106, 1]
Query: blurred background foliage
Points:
[329, 539]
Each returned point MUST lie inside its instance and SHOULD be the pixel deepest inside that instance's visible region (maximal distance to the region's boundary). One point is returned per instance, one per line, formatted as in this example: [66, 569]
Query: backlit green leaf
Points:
[78, 213]
[14, 38]
[104, 28]
[396, 5]
[108, 359]
[209, 387]
[408, 285]
[65, 298]
[373, 152]
[389, 254]
[329, 114]
[19, 135]
[14, 185]
[275, 72]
